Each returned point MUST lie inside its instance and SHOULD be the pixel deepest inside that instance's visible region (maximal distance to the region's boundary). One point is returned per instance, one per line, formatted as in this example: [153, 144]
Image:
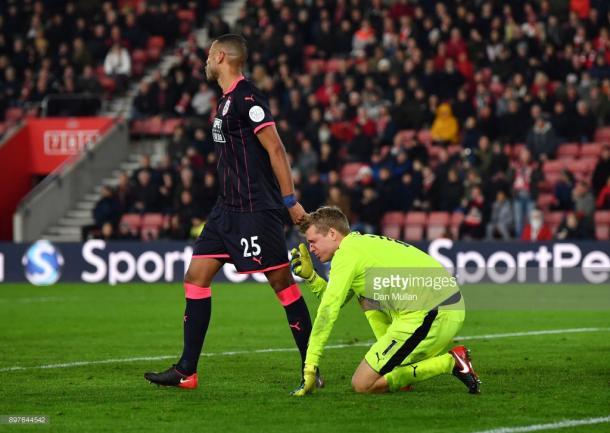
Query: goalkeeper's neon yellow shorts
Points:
[414, 337]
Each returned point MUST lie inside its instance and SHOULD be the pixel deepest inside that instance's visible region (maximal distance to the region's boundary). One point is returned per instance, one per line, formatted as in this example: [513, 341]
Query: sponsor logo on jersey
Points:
[256, 113]
[217, 134]
[225, 109]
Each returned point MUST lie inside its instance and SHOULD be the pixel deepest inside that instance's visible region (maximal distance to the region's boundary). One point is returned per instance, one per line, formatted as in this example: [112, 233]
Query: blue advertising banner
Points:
[98, 261]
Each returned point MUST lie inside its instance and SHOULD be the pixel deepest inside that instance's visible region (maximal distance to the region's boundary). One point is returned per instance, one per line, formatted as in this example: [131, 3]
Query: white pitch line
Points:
[550, 426]
[294, 349]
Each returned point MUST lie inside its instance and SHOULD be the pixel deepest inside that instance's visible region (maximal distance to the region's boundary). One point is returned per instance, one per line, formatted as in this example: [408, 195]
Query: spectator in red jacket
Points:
[536, 229]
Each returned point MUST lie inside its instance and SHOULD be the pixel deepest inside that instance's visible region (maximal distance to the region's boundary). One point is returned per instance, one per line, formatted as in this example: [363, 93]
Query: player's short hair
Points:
[324, 219]
[236, 46]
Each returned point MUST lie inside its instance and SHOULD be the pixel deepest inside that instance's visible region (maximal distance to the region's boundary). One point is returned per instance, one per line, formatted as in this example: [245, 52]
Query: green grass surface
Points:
[527, 380]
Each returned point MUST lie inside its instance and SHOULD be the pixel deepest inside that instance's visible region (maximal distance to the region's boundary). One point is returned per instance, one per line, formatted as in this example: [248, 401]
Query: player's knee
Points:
[359, 386]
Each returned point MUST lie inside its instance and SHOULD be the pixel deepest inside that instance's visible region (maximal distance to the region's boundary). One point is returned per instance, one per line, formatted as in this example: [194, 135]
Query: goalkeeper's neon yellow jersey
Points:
[356, 255]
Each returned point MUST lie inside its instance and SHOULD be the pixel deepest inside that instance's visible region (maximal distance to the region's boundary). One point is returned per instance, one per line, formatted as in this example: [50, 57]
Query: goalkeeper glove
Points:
[301, 263]
[308, 385]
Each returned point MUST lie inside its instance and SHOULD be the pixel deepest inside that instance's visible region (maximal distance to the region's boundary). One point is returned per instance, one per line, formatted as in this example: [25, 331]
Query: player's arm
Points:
[340, 281]
[302, 266]
[272, 143]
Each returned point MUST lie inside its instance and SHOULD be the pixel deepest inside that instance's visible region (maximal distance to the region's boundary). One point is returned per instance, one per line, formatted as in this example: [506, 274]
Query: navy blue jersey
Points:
[246, 181]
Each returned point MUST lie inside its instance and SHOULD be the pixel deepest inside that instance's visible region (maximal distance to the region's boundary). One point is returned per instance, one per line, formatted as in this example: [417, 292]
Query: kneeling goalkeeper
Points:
[413, 316]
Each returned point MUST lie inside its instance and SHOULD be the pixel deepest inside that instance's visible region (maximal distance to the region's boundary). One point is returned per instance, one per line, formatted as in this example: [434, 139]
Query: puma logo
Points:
[295, 326]
[249, 98]
[258, 260]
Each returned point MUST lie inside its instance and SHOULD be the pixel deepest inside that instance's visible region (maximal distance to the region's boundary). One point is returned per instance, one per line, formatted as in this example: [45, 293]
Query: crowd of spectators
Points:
[489, 89]
[81, 47]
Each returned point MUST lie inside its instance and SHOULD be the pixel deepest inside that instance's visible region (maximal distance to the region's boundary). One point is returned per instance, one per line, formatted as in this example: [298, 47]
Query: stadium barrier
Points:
[98, 261]
[82, 168]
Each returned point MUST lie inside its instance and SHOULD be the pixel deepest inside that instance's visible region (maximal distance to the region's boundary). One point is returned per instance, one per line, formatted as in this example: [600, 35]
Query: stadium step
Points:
[85, 205]
[75, 222]
[69, 231]
[82, 214]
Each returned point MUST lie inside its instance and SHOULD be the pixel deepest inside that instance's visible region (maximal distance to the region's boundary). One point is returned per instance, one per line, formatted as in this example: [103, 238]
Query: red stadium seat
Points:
[392, 223]
[424, 136]
[437, 224]
[602, 233]
[393, 218]
[152, 219]
[349, 172]
[416, 218]
[568, 150]
[438, 218]
[602, 134]
[133, 222]
[169, 125]
[455, 222]
[545, 201]
[391, 231]
[553, 165]
[13, 115]
[590, 150]
[414, 233]
[553, 217]
[602, 217]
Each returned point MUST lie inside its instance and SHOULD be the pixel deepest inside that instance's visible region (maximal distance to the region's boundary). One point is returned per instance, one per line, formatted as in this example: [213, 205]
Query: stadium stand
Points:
[407, 106]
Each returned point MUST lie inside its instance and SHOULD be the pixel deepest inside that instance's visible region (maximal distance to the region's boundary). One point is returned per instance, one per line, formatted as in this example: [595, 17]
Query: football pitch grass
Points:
[89, 338]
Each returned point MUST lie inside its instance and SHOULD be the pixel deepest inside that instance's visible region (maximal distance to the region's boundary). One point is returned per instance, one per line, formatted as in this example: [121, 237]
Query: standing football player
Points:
[246, 225]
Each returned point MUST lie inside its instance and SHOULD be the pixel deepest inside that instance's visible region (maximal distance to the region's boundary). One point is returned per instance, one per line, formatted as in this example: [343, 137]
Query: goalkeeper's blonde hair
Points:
[324, 219]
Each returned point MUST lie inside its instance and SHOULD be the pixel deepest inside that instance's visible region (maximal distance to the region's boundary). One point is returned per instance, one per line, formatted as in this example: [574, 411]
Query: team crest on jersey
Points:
[225, 109]
[217, 134]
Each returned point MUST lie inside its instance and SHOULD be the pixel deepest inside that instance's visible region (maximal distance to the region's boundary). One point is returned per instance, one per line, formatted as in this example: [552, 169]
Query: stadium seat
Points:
[590, 150]
[416, 218]
[169, 125]
[349, 172]
[553, 165]
[602, 217]
[424, 136]
[454, 224]
[568, 150]
[133, 221]
[393, 218]
[553, 219]
[392, 223]
[602, 233]
[414, 233]
[437, 225]
[602, 134]
[13, 115]
[545, 201]
[151, 226]
[391, 231]
[602, 224]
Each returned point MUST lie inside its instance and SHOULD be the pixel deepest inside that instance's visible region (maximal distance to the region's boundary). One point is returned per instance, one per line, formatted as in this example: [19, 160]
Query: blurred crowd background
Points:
[467, 119]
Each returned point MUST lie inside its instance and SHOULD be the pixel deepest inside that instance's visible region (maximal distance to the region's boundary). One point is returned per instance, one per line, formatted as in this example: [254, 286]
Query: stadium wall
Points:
[98, 261]
[52, 198]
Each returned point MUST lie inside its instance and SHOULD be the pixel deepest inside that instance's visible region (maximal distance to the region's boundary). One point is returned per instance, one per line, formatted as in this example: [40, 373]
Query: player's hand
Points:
[297, 213]
[308, 386]
[301, 263]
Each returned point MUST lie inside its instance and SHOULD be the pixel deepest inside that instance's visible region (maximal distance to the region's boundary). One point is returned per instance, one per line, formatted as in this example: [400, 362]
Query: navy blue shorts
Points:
[253, 241]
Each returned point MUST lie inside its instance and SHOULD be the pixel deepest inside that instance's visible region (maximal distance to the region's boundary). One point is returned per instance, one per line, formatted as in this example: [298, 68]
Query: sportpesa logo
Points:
[43, 263]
